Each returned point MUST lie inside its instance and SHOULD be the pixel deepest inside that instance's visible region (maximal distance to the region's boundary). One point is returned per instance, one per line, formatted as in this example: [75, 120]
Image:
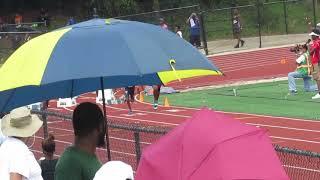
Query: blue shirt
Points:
[71, 21]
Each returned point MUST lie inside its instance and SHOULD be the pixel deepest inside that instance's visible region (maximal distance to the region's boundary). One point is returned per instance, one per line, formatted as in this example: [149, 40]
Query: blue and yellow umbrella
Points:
[93, 54]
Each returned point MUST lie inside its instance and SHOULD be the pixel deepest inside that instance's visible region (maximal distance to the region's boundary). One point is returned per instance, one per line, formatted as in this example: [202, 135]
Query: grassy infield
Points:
[267, 99]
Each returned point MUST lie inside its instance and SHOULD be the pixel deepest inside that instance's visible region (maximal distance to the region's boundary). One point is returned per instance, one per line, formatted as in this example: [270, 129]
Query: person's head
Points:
[178, 28]
[314, 34]
[304, 48]
[88, 122]
[48, 146]
[236, 12]
[161, 21]
[20, 123]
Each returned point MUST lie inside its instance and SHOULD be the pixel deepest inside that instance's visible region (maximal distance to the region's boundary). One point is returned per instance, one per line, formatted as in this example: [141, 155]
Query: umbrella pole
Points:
[105, 116]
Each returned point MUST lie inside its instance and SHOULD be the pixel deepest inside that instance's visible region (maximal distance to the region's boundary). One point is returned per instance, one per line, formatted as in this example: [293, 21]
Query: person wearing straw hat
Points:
[17, 162]
[2, 137]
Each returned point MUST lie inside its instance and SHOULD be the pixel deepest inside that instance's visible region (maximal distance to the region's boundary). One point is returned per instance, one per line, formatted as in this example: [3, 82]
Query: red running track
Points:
[254, 65]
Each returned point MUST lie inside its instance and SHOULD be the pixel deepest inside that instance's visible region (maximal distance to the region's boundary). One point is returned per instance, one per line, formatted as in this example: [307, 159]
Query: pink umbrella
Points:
[211, 146]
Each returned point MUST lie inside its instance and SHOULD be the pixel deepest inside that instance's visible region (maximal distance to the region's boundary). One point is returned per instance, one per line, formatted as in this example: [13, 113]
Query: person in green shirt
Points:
[302, 71]
[79, 162]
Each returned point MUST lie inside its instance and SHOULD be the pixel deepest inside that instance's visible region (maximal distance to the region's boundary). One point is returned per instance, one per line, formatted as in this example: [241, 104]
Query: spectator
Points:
[48, 164]
[129, 96]
[17, 19]
[178, 31]
[114, 170]
[163, 24]
[71, 21]
[194, 25]
[44, 17]
[302, 71]
[315, 55]
[17, 162]
[237, 28]
[2, 137]
[156, 95]
[317, 27]
[79, 160]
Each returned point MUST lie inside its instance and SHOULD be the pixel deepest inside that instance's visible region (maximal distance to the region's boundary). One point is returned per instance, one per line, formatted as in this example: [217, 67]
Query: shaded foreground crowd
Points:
[78, 161]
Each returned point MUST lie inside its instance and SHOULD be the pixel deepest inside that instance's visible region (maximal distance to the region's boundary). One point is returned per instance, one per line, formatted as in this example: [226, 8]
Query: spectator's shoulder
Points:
[67, 158]
[68, 166]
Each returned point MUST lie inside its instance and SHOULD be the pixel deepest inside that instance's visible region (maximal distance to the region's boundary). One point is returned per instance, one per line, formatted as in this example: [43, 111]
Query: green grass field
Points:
[266, 99]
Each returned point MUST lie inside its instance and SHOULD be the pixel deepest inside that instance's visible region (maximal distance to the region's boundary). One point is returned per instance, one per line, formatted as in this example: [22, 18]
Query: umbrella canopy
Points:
[211, 146]
[73, 60]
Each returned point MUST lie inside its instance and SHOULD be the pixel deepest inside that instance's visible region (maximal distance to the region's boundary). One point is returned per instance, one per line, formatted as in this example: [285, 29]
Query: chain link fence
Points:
[262, 18]
[12, 36]
[127, 141]
[173, 17]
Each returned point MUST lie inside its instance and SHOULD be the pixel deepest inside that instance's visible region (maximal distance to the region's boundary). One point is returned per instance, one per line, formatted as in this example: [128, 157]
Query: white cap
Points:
[114, 170]
[313, 34]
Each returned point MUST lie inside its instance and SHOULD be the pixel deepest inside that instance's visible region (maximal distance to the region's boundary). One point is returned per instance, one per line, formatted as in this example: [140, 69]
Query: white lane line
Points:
[284, 127]
[239, 113]
[166, 114]
[248, 117]
[111, 137]
[293, 139]
[232, 69]
[55, 122]
[302, 168]
[254, 50]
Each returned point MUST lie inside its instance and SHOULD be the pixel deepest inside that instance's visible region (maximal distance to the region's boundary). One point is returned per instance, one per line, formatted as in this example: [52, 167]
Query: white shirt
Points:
[179, 33]
[15, 157]
[2, 137]
[192, 23]
[301, 59]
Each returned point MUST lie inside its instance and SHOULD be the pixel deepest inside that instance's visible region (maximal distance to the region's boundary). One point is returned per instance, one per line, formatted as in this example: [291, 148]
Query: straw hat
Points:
[20, 123]
[114, 170]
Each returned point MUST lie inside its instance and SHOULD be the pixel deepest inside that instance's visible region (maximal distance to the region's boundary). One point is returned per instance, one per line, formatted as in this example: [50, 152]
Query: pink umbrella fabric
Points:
[211, 146]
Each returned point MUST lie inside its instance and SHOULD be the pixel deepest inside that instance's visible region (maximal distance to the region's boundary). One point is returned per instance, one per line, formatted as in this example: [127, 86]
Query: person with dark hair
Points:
[79, 161]
[163, 24]
[237, 28]
[178, 31]
[302, 71]
[194, 24]
[156, 95]
[129, 93]
[71, 21]
[48, 164]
